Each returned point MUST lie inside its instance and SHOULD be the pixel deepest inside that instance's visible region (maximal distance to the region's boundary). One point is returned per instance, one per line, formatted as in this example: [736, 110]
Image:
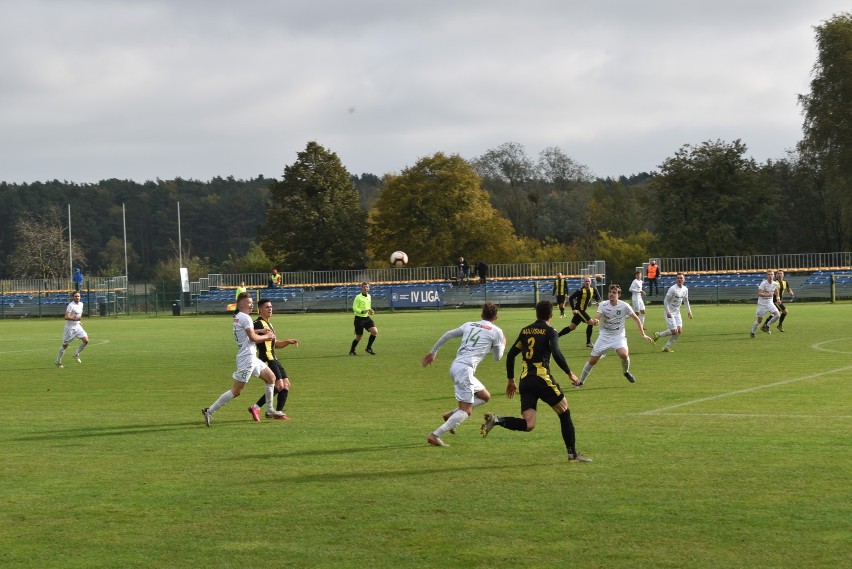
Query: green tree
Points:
[827, 142]
[254, 261]
[711, 201]
[314, 220]
[436, 211]
[623, 254]
[112, 258]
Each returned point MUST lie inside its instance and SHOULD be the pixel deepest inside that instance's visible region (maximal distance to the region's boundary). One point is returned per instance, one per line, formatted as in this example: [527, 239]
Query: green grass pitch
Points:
[729, 452]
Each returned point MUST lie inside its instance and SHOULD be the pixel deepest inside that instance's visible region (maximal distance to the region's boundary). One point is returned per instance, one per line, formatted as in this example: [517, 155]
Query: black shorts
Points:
[560, 299]
[534, 387]
[580, 318]
[363, 323]
[277, 369]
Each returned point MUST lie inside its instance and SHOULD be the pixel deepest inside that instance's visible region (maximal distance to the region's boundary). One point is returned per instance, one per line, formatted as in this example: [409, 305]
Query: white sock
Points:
[664, 333]
[642, 319]
[773, 320]
[270, 393]
[754, 326]
[59, 355]
[454, 421]
[80, 349]
[587, 369]
[625, 364]
[224, 398]
[477, 402]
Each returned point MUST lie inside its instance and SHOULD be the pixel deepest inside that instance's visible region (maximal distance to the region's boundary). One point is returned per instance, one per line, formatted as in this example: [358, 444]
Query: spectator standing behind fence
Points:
[78, 280]
[481, 271]
[274, 279]
[464, 270]
[653, 275]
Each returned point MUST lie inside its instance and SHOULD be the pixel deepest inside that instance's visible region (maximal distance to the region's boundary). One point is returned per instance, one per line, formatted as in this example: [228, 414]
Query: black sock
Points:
[513, 423]
[370, 341]
[781, 320]
[282, 399]
[564, 331]
[354, 344]
[588, 334]
[568, 434]
[262, 401]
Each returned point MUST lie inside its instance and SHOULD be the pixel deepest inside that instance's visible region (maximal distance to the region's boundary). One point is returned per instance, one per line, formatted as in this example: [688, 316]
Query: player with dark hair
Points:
[248, 364]
[478, 340]
[612, 316]
[362, 306]
[560, 285]
[782, 287]
[537, 343]
[579, 302]
[266, 354]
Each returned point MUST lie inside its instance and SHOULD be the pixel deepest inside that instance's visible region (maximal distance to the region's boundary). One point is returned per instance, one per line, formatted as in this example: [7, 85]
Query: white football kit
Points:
[766, 304]
[73, 328]
[478, 340]
[248, 363]
[611, 335]
[675, 297]
[636, 289]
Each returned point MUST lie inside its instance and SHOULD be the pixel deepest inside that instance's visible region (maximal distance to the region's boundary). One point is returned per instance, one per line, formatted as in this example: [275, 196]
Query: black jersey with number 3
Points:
[536, 343]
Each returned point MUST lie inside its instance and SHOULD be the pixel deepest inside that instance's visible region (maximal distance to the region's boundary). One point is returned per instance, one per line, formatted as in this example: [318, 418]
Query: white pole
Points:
[124, 223]
[180, 247]
[70, 257]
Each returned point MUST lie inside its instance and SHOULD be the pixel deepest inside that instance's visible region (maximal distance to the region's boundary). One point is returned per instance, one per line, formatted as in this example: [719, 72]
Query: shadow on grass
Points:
[116, 430]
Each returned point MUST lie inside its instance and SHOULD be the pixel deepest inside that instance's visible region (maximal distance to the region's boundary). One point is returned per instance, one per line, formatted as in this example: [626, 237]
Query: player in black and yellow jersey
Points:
[783, 287]
[579, 302]
[266, 353]
[536, 344]
[560, 286]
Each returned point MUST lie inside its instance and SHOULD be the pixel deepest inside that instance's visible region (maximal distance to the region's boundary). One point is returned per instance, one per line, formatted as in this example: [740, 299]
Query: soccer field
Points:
[729, 452]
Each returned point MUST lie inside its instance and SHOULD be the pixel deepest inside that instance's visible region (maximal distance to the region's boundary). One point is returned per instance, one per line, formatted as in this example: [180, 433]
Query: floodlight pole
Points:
[70, 256]
[124, 224]
[180, 246]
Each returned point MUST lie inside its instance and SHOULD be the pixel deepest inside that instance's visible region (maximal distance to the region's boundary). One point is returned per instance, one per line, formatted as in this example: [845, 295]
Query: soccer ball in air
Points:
[398, 259]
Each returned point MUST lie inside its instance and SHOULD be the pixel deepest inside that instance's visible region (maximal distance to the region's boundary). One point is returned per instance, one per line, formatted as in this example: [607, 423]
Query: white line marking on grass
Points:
[760, 415]
[749, 390]
[819, 346]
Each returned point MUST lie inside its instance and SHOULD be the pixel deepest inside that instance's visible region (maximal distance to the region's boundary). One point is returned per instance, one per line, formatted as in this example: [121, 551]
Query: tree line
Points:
[707, 199]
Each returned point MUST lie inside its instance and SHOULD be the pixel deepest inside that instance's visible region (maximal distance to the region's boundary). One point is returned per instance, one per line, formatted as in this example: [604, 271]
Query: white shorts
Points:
[70, 333]
[464, 382]
[638, 304]
[606, 342]
[247, 368]
[676, 321]
[766, 308]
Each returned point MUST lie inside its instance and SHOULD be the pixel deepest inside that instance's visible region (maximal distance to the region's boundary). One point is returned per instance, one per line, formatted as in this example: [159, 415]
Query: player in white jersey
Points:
[73, 329]
[612, 317]
[248, 363]
[478, 340]
[636, 298]
[766, 304]
[676, 296]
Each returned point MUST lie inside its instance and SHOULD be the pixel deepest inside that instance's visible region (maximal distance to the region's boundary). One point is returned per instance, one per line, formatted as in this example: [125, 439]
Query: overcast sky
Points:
[147, 89]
